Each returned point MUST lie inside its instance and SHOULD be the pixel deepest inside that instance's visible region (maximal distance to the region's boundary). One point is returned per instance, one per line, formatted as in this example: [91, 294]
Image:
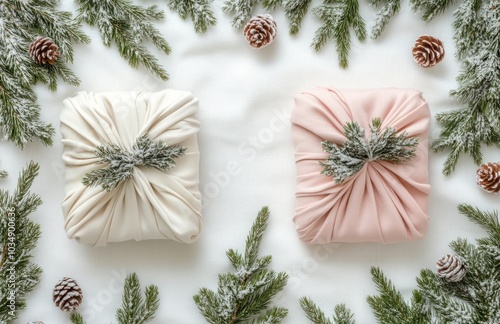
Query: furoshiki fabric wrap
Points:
[150, 205]
[383, 202]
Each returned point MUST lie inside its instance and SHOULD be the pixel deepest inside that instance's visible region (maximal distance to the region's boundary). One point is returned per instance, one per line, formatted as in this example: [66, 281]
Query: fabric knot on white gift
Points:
[132, 166]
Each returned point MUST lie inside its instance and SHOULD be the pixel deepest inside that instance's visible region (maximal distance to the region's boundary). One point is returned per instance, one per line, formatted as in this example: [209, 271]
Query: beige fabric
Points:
[152, 204]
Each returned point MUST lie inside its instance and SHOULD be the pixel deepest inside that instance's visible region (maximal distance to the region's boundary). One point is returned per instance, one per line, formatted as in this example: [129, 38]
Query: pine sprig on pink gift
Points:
[344, 161]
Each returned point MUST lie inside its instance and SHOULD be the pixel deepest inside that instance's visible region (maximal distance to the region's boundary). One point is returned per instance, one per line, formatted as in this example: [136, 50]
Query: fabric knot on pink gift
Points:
[350, 188]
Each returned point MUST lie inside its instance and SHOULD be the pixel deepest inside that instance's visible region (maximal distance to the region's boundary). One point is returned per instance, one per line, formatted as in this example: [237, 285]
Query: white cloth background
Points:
[247, 161]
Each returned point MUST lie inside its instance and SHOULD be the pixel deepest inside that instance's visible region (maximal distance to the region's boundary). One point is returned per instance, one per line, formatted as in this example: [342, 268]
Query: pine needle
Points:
[136, 309]
[240, 9]
[338, 19]
[76, 318]
[431, 8]
[342, 315]
[295, 11]
[313, 312]
[245, 294]
[128, 26]
[200, 11]
[389, 9]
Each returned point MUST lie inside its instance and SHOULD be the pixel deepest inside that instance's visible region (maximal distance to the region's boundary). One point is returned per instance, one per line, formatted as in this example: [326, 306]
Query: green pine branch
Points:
[391, 308]
[245, 294]
[136, 309]
[389, 9]
[145, 153]
[128, 26]
[18, 237]
[345, 161]
[200, 11]
[272, 4]
[295, 11]
[76, 318]
[431, 8]
[477, 37]
[474, 299]
[342, 315]
[20, 23]
[338, 18]
[463, 132]
[240, 9]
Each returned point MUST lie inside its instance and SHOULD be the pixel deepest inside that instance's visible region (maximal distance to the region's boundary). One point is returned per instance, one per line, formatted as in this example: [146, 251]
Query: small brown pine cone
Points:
[43, 50]
[450, 268]
[428, 51]
[67, 295]
[36, 322]
[260, 31]
[488, 177]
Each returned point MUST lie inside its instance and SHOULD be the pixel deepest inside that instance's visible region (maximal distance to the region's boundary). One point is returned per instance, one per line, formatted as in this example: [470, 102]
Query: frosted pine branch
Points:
[136, 309]
[391, 308]
[432, 8]
[477, 36]
[342, 315]
[20, 23]
[128, 26]
[272, 4]
[18, 237]
[76, 318]
[389, 9]
[338, 19]
[295, 11]
[474, 299]
[200, 11]
[345, 161]
[3, 174]
[245, 294]
[145, 153]
[240, 9]
[313, 312]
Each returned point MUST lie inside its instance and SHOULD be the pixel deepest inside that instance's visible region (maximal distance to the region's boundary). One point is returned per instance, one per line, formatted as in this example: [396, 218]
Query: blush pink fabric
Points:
[384, 202]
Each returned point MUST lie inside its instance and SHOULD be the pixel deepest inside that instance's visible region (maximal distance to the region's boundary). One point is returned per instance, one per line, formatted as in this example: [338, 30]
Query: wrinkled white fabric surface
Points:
[247, 161]
[152, 204]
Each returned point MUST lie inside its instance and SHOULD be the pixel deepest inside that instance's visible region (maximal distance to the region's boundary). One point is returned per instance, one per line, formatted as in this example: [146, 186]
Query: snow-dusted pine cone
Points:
[488, 177]
[67, 294]
[261, 30]
[37, 322]
[428, 51]
[43, 50]
[450, 268]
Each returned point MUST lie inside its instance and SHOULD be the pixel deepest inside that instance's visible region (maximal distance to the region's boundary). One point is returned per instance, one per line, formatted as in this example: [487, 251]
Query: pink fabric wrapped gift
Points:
[384, 202]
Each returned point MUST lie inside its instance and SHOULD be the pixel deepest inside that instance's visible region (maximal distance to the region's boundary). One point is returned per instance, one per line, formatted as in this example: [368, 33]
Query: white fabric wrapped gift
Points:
[152, 204]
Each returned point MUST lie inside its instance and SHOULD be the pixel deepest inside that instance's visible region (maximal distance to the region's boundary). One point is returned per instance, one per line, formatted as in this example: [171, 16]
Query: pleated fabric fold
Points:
[152, 204]
[384, 202]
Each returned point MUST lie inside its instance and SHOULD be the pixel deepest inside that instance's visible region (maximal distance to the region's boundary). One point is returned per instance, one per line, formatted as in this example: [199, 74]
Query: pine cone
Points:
[488, 177]
[36, 322]
[260, 31]
[43, 50]
[428, 51]
[67, 294]
[450, 268]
